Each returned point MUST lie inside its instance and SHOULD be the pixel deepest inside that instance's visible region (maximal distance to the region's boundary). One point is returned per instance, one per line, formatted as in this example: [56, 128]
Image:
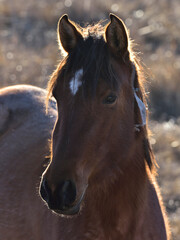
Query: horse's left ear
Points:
[116, 35]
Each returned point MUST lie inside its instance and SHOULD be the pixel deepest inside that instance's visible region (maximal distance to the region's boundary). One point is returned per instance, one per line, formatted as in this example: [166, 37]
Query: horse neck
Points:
[123, 199]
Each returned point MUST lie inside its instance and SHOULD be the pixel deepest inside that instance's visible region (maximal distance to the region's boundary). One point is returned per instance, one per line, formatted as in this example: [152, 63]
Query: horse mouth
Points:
[68, 212]
[74, 210]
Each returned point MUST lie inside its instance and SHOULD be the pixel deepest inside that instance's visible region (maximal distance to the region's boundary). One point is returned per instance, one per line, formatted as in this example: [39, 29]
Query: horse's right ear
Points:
[68, 35]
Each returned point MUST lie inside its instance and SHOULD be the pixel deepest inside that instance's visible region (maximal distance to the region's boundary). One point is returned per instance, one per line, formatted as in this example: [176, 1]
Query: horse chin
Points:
[69, 212]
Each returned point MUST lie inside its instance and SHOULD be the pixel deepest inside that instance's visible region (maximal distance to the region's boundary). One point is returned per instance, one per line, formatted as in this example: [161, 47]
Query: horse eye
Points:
[110, 99]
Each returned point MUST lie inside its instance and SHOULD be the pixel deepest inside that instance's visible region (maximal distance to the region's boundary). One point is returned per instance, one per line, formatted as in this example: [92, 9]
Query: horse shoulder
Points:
[4, 116]
[155, 220]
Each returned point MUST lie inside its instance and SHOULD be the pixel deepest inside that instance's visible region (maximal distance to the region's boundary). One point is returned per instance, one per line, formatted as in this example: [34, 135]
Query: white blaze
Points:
[76, 81]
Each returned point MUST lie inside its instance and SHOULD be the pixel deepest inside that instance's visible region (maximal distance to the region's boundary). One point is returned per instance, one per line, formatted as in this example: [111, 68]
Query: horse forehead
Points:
[76, 81]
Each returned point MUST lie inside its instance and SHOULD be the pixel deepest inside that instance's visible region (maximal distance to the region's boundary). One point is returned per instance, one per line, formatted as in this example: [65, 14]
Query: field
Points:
[29, 54]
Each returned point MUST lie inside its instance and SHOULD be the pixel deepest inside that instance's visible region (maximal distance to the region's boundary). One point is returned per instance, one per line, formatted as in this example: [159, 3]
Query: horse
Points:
[100, 180]
[25, 130]
[96, 176]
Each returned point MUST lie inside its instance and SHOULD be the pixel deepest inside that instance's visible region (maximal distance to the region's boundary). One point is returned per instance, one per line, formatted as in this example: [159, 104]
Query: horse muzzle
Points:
[63, 200]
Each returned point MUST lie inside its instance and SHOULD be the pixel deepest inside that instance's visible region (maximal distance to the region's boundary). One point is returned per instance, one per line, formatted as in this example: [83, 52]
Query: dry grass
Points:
[29, 53]
[166, 144]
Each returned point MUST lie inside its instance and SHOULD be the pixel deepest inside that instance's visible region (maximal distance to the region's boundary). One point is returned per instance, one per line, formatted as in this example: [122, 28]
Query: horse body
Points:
[24, 133]
[101, 167]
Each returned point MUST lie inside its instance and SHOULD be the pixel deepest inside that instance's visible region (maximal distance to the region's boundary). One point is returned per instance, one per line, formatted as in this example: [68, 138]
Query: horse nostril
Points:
[45, 191]
[66, 194]
[62, 198]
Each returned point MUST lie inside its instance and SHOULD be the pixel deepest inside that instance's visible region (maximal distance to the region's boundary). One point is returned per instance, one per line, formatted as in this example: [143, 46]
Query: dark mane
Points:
[92, 55]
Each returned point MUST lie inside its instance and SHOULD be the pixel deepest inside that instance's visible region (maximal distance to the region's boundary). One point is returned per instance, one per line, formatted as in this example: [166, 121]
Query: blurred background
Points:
[29, 54]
